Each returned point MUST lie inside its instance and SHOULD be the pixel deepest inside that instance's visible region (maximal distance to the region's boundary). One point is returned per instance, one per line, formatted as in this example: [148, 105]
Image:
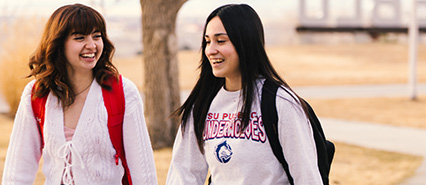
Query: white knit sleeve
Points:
[137, 145]
[296, 138]
[188, 165]
[24, 151]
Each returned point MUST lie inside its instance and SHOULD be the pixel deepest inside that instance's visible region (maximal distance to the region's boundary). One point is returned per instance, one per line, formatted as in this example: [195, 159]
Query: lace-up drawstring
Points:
[65, 152]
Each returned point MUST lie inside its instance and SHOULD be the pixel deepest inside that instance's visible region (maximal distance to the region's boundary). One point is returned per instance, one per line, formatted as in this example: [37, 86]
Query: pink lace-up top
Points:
[69, 132]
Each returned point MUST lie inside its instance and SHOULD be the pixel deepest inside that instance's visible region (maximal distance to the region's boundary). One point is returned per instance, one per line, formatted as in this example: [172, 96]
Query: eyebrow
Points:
[78, 33]
[217, 34]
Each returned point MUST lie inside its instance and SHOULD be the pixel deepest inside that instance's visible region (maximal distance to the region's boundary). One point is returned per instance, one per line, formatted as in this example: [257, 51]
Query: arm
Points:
[24, 151]
[296, 137]
[137, 145]
[188, 165]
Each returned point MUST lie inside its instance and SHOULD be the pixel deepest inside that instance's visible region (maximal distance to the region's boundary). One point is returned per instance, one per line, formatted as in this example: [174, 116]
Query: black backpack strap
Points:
[270, 122]
[325, 148]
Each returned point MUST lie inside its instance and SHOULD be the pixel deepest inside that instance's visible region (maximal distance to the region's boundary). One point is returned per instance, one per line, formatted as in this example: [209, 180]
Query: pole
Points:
[412, 54]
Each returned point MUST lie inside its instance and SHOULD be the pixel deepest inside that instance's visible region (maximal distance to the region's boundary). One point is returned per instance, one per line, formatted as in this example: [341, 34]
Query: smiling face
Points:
[222, 54]
[83, 51]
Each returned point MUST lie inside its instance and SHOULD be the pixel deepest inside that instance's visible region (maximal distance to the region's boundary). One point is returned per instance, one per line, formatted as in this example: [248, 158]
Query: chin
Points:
[218, 75]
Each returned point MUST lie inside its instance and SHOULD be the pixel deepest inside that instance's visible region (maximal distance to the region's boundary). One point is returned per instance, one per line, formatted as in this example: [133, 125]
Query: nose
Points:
[211, 49]
[91, 44]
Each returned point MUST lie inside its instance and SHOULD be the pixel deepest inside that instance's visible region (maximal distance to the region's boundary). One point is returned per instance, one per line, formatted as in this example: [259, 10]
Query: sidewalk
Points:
[373, 135]
[383, 137]
[361, 91]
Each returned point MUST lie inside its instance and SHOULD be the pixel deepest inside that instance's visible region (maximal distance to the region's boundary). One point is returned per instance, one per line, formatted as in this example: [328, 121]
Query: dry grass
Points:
[355, 165]
[393, 111]
[376, 63]
[5, 127]
[304, 65]
[162, 159]
[15, 51]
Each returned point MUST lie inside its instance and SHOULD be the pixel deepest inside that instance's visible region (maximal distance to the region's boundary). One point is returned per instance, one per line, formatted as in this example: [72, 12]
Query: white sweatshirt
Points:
[90, 148]
[245, 158]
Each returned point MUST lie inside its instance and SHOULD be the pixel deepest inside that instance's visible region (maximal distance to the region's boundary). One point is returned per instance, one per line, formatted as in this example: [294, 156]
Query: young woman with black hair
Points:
[222, 129]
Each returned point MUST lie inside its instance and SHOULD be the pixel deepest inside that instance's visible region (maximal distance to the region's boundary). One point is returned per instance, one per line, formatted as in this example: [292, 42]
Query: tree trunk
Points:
[161, 86]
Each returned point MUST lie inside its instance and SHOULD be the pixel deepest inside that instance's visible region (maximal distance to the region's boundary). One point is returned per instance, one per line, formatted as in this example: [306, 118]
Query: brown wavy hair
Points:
[48, 63]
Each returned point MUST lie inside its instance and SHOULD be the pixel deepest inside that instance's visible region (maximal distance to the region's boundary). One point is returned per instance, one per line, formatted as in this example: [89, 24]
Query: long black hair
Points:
[245, 31]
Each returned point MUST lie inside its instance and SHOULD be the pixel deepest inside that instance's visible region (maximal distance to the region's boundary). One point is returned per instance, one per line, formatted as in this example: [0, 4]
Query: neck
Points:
[233, 84]
[80, 82]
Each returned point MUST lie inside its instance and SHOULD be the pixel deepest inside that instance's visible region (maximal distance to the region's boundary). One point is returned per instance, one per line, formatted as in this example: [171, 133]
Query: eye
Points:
[221, 41]
[97, 36]
[79, 38]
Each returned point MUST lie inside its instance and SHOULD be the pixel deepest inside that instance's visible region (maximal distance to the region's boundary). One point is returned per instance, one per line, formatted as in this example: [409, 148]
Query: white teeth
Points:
[215, 61]
[88, 55]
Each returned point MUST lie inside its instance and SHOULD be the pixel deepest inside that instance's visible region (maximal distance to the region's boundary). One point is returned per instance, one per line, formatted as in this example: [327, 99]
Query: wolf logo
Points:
[223, 152]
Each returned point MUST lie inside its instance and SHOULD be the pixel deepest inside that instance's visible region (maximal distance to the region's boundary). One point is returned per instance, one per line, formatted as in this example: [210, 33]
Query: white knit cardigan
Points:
[92, 154]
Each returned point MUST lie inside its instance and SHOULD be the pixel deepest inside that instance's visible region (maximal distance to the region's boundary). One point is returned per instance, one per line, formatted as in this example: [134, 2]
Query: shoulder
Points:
[128, 85]
[131, 91]
[30, 85]
[289, 105]
[26, 93]
[285, 97]
[285, 94]
[28, 88]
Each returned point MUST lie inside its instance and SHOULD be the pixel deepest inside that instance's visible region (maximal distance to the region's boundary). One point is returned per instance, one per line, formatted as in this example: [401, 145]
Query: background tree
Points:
[161, 86]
